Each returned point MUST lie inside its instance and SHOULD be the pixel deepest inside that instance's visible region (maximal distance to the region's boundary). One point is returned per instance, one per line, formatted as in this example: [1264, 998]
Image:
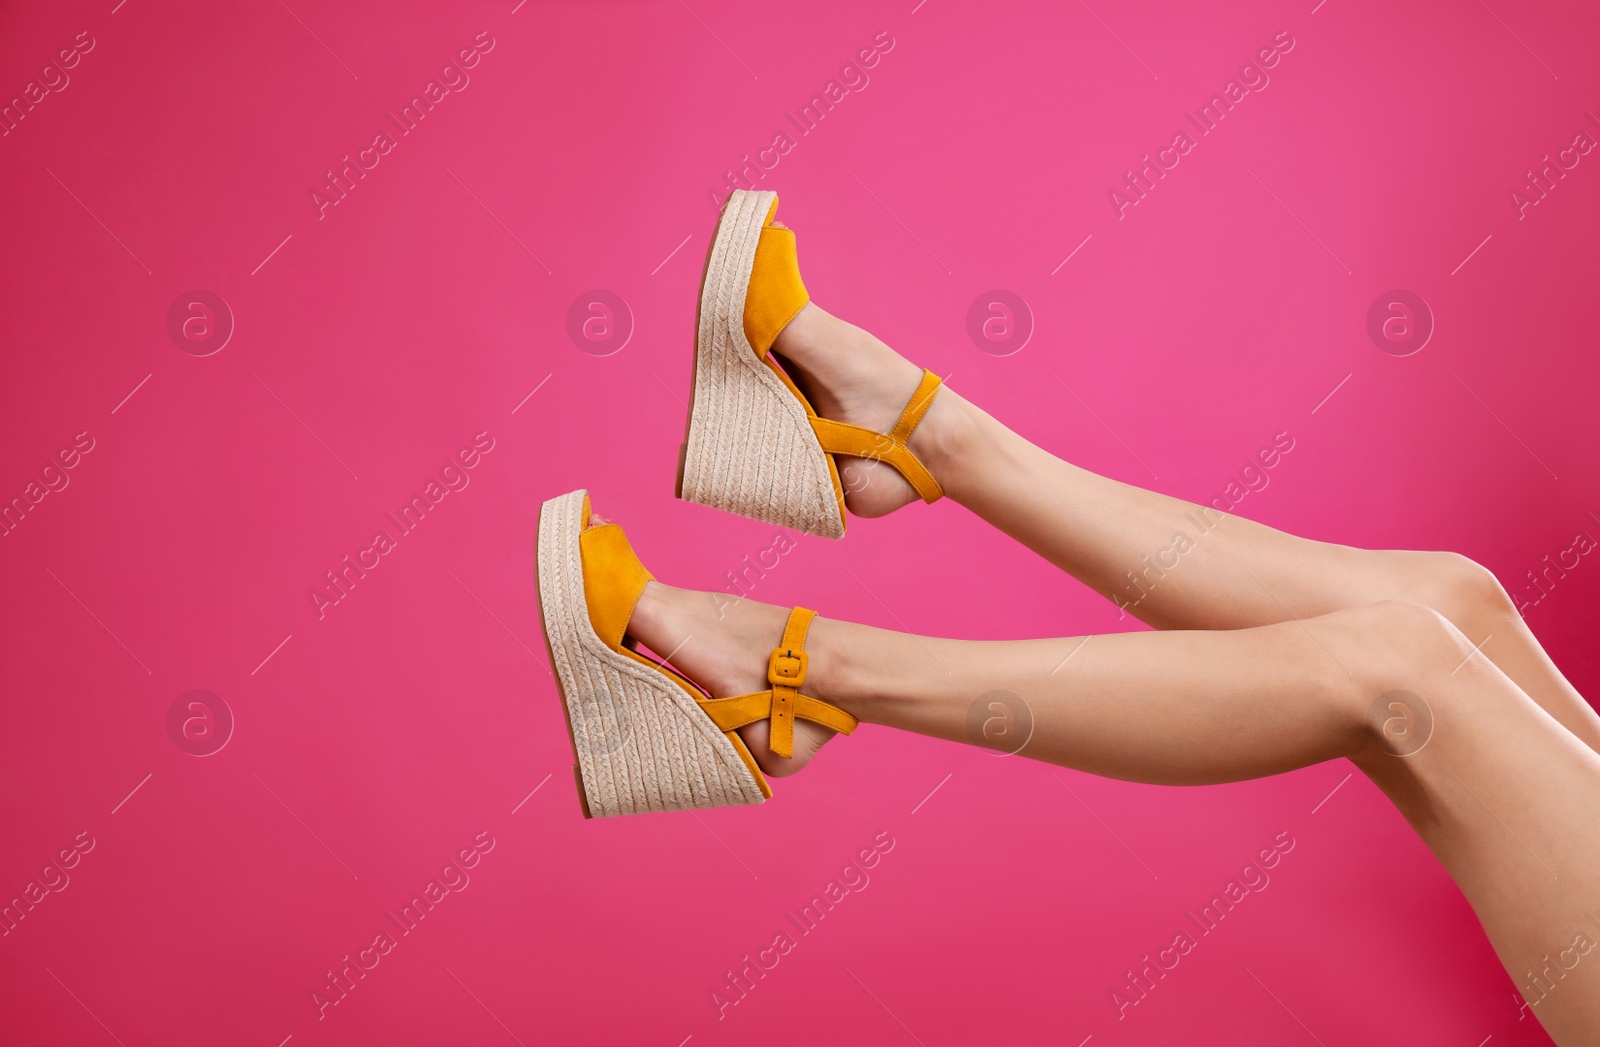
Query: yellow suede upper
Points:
[613, 580]
[776, 292]
[775, 295]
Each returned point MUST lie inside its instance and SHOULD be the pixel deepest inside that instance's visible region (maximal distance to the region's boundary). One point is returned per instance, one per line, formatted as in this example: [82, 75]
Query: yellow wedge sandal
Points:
[755, 445]
[646, 738]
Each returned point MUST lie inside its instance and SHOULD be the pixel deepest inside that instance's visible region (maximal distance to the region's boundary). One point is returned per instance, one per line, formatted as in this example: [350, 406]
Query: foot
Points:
[722, 644]
[851, 376]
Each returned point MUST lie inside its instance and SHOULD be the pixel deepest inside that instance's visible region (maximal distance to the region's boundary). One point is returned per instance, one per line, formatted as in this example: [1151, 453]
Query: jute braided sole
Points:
[642, 743]
[751, 449]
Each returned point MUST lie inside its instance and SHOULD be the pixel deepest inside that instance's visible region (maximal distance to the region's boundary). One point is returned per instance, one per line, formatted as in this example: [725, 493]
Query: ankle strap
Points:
[860, 442]
[786, 672]
[783, 702]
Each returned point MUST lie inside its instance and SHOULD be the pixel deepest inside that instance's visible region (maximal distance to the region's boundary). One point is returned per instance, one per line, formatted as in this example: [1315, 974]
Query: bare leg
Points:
[1500, 792]
[1123, 541]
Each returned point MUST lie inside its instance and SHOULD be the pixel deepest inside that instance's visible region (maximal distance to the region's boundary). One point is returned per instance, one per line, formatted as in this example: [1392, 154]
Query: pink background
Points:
[370, 745]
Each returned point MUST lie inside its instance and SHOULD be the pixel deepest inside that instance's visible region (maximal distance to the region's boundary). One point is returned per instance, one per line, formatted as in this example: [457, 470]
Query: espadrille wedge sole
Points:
[750, 448]
[642, 742]
[755, 446]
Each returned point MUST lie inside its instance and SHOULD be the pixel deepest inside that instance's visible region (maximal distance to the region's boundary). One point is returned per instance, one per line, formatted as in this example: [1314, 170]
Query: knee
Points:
[1461, 589]
[1401, 657]
[1400, 645]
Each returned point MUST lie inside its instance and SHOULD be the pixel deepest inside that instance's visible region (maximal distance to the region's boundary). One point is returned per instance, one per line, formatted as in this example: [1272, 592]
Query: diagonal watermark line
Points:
[1475, 250]
[725, 847]
[514, 10]
[485, 1006]
[528, 797]
[668, 659]
[1081, 644]
[1104, 826]
[496, 617]
[896, 218]
[303, 825]
[1302, 225]
[718, 39]
[318, 39]
[536, 388]
[1474, 651]
[98, 622]
[136, 788]
[914, 10]
[501, 224]
[275, 250]
[85, 1006]
[285, 1040]
[1118, 39]
[935, 789]
[1506, 827]
[1285, 1006]
[304, 426]
[674, 251]
[1335, 789]
[689, 1037]
[669, 390]
[896, 617]
[885, 1006]
[1336, 388]
[275, 650]
[1104, 426]
[1297, 621]
[114, 10]
[1518, 39]
[1314, 10]
[1504, 426]
[136, 388]
[1075, 250]
[96, 217]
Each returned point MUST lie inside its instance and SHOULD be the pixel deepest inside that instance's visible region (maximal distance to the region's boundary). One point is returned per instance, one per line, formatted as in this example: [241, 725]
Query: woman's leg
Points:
[1173, 564]
[1498, 790]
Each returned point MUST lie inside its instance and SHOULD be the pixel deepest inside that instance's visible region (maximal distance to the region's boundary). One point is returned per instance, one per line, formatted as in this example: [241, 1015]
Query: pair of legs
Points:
[1275, 652]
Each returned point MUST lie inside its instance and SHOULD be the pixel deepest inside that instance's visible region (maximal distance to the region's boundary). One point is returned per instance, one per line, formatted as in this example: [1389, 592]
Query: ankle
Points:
[947, 440]
[840, 669]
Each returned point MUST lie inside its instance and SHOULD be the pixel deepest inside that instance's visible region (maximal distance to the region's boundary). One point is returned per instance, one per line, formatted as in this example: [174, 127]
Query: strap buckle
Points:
[787, 667]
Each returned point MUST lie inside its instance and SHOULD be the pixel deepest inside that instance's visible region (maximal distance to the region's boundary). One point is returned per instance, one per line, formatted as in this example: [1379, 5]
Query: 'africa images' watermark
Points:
[55, 476]
[452, 879]
[852, 79]
[454, 475]
[1141, 979]
[452, 79]
[1252, 79]
[1552, 570]
[52, 879]
[852, 879]
[52, 75]
[1154, 567]
[1539, 183]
